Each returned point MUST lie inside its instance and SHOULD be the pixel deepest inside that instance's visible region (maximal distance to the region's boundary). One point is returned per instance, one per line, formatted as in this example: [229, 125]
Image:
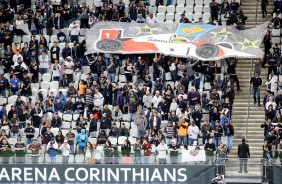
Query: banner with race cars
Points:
[198, 41]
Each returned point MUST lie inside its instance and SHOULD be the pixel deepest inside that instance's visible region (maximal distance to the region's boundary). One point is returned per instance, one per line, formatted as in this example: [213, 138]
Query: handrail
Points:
[249, 101]
[256, 18]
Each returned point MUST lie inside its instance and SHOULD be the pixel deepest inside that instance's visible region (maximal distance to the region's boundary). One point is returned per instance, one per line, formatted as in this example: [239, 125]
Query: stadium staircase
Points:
[248, 117]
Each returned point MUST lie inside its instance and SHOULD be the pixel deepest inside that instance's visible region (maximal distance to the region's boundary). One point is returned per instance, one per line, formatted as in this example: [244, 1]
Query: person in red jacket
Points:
[147, 151]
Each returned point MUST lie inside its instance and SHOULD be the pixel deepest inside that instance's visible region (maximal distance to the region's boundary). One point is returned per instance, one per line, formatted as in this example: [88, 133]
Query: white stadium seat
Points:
[179, 9]
[45, 85]
[54, 91]
[181, 2]
[161, 9]
[54, 85]
[152, 9]
[169, 17]
[161, 17]
[170, 9]
[189, 2]
[46, 77]
[206, 9]
[189, 9]
[198, 9]
[199, 2]
[190, 16]
[67, 117]
[197, 16]
[206, 17]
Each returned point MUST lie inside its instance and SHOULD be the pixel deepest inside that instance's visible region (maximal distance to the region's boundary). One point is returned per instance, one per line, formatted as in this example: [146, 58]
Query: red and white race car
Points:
[112, 41]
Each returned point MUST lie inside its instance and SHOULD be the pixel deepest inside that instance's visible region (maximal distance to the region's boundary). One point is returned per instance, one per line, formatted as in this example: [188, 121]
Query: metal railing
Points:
[256, 18]
[249, 101]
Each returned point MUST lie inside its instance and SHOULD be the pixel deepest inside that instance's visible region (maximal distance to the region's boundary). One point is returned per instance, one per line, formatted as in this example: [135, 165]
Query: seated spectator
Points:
[125, 18]
[123, 131]
[61, 36]
[80, 124]
[56, 121]
[151, 19]
[102, 137]
[184, 19]
[140, 19]
[59, 138]
[114, 132]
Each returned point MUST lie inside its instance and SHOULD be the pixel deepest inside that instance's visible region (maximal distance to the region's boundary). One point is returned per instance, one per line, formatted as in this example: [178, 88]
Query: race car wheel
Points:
[207, 51]
[226, 45]
[109, 45]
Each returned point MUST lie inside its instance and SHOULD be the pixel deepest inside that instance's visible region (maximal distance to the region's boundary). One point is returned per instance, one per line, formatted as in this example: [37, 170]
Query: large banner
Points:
[198, 41]
[76, 173]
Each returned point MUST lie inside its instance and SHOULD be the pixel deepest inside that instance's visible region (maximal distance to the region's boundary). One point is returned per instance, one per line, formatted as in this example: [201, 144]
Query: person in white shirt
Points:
[65, 149]
[151, 19]
[147, 100]
[193, 132]
[56, 68]
[69, 66]
[43, 63]
[156, 99]
[173, 105]
[17, 55]
[162, 149]
[270, 102]
[98, 99]
[74, 31]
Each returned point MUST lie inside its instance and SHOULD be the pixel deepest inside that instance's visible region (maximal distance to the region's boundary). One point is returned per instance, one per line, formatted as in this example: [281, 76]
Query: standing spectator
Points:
[81, 139]
[3, 85]
[182, 127]
[218, 133]
[20, 151]
[52, 147]
[174, 152]
[243, 154]
[14, 125]
[35, 147]
[48, 135]
[66, 15]
[121, 7]
[56, 68]
[162, 149]
[170, 132]
[206, 131]
[141, 123]
[264, 4]
[5, 151]
[43, 62]
[55, 52]
[88, 153]
[193, 98]
[272, 59]
[155, 122]
[125, 152]
[74, 9]
[70, 136]
[92, 126]
[256, 83]
[65, 149]
[147, 151]
[84, 15]
[74, 29]
[193, 132]
[59, 21]
[29, 133]
[229, 133]
[36, 114]
[214, 8]
[132, 109]
[137, 152]
[210, 149]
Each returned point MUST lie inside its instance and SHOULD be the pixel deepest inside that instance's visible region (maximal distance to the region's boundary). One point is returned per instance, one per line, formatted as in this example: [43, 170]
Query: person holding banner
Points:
[174, 152]
[19, 148]
[162, 150]
[5, 151]
[65, 149]
[34, 147]
[52, 147]
[147, 151]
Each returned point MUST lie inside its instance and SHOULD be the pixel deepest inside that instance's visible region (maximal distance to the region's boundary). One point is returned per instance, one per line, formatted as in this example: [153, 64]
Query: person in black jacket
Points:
[92, 126]
[56, 121]
[155, 122]
[218, 133]
[54, 52]
[105, 122]
[78, 106]
[256, 82]
[229, 133]
[243, 154]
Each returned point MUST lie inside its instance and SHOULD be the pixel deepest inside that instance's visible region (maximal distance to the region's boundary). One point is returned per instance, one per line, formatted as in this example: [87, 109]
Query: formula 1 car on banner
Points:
[112, 41]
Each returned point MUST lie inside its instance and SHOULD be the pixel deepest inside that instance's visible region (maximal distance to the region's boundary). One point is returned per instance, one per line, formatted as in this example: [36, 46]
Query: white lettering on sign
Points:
[4, 175]
[156, 175]
[94, 172]
[83, 171]
[125, 173]
[37, 172]
[54, 174]
[27, 173]
[182, 172]
[16, 174]
[136, 174]
[111, 174]
[67, 174]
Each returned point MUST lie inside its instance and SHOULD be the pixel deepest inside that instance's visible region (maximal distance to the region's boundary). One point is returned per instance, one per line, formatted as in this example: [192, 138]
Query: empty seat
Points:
[152, 2]
[161, 9]
[55, 91]
[152, 9]
[168, 76]
[189, 2]
[179, 9]
[206, 17]
[12, 99]
[82, 32]
[199, 2]
[206, 9]
[26, 38]
[54, 131]
[188, 9]
[170, 9]
[161, 17]
[3, 100]
[54, 85]
[67, 117]
[53, 38]
[113, 140]
[198, 9]
[46, 77]
[44, 85]
[34, 85]
[17, 39]
[181, 2]
[169, 17]
[65, 125]
[62, 45]
[86, 69]
[121, 139]
[122, 78]
[197, 16]
[189, 16]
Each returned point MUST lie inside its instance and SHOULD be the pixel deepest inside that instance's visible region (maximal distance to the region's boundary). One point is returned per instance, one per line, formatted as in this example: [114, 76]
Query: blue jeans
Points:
[146, 159]
[169, 2]
[138, 160]
[217, 141]
[191, 141]
[22, 124]
[3, 92]
[256, 95]
[182, 139]
[111, 76]
[52, 159]
[229, 142]
[131, 116]
[42, 70]
[118, 62]
[140, 133]
[28, 141]
[77, 111]
[213, 124]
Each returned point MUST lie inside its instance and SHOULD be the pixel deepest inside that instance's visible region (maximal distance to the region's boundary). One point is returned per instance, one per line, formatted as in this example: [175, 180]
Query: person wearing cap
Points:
[65, 149]
[19, 148]
[52, 147]
[35, 147]
[173, 152]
